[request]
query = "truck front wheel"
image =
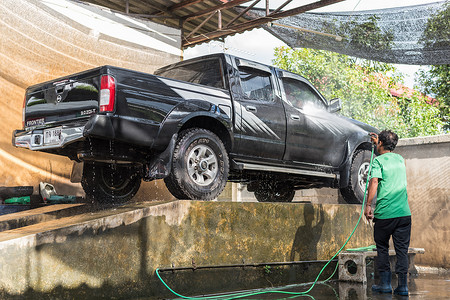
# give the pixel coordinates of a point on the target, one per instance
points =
(200, 166)
(354, 193)
(110, 182)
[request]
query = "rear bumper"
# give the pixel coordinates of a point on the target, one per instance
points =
(107, 127)
(96, 126)
(34, 139)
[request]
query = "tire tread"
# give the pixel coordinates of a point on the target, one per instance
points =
(348, 192)
(174, 182)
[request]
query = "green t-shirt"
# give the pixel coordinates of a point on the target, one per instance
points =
(392, 199)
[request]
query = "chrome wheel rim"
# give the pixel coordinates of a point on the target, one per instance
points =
(363, 172)
(202, 165)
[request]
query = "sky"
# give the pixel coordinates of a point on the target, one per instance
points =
(258, 44)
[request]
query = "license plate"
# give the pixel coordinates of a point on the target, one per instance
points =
(52, 136)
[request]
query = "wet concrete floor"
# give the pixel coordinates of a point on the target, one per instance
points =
(425, 286)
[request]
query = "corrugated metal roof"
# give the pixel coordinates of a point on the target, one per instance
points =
(203, 20)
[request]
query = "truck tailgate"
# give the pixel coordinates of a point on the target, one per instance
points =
(65, 99)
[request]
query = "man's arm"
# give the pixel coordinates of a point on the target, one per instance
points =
(372, 190)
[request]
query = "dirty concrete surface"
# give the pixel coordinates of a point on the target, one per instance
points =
(74, 251)
(425, 286)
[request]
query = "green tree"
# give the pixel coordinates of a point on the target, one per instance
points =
(367, 35)
(436, 82)
(437, 30)
(364, 88)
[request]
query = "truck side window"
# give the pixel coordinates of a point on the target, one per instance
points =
(256, 84)
(300, 94)
(207, 72)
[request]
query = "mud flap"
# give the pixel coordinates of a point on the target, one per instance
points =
(344, 170)
(344, 177)
(160, 166)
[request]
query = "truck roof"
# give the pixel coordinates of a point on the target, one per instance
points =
(216, 55)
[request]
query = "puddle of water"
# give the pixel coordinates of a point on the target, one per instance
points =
(432, 287)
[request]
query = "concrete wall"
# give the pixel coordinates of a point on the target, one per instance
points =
(428, 174)
(116, 252)
(43, 40)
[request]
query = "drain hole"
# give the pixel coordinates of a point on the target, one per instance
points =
(351, 267)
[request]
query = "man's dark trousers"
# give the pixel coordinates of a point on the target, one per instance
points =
(400, 229)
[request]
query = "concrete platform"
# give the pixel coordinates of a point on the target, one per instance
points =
(114, 252)
(38, 215)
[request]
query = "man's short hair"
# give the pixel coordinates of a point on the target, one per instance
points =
(389, 139)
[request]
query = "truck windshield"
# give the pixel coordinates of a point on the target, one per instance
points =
(207, 72)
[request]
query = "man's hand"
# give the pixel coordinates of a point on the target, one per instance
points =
(374, 137)
(368, 212)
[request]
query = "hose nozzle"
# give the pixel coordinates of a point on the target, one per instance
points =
(373, 137)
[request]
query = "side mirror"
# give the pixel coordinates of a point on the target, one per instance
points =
(334, 105)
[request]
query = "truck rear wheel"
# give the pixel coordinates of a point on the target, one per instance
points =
(354, 192)
(110, 182)
(199, 167)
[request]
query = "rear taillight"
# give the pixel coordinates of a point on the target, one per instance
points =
(107, 93)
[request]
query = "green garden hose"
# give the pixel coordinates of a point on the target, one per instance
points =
(305, 293)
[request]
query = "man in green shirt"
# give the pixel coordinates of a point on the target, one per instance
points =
(392, 216)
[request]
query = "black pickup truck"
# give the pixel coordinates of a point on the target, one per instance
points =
(198, 124)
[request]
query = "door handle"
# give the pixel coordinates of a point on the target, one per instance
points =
(251, 108)
(295, 117)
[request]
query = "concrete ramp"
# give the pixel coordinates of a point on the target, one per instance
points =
(115, 252)
(39, 215)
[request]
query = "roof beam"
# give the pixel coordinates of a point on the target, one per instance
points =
(302, 9)
(229, 4)
(243, 12)
(257, 22)
(201, 25)
(183, 4)
(160, 16)
(281, 6)
(157, 6)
